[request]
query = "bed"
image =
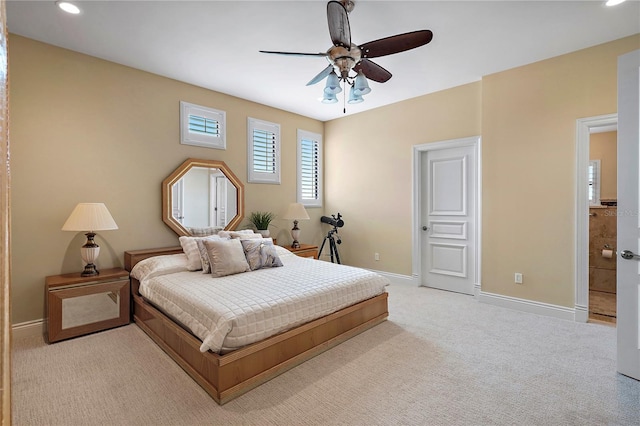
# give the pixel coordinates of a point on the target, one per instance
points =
(227, 352)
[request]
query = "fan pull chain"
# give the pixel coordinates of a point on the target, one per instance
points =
(344, 97)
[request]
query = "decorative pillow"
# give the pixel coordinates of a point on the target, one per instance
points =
(204, 232)
(260, 253)
(160, 265)
(244, 233)
(204, 257)
(226, 257)
(190, 248)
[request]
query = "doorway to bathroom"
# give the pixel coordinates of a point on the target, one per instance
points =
(596, 219)
(603, 214)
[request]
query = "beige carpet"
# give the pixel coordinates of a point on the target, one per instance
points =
(441, 359)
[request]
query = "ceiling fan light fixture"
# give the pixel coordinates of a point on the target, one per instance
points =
(333, 84)
(329, 98)
(346, 58)
(361, 86)
(353, 97)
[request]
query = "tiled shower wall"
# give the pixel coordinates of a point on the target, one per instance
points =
(602, 231)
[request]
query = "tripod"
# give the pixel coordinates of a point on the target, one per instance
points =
(333, 249)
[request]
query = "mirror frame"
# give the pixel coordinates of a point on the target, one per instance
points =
(167, 184)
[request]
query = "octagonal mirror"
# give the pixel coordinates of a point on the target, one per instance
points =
(202, 194)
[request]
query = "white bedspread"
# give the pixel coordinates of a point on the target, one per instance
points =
(233, 311)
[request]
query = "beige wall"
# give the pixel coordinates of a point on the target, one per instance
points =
(604, 147)
(527, 119)
(529, 147)
(368, 170)
(87, 130)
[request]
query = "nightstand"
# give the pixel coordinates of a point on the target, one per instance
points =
(305, 250)
(79, 305)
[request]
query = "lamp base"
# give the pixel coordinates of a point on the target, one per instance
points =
(295, 234)
(89, 253)
(89, 270)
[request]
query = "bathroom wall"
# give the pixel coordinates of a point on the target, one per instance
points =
(602, 231)
(602, 221)
(604, 147)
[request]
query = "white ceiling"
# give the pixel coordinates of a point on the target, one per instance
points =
(214, 44)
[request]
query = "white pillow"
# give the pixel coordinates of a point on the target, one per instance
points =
(190, 248)
(226, 257)
(204, 257)
(204, 232)
(237, 234)
(160, 265)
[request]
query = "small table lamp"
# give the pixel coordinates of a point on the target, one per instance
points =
(90, 217)
(296, 212)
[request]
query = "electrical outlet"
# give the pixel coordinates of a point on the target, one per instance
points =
(518, 278)
(376, 256)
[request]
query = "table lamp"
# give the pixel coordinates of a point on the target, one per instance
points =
(296, 212)
(90, 217)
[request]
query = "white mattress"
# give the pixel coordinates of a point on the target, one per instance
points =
(230, 312)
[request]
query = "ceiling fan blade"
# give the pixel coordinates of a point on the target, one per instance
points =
(372, 71)
(338, 24)
(395, 44)
(293, 53)
(323, 74)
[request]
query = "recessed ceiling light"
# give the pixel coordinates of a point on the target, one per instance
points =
(68, 7)
(613, 2)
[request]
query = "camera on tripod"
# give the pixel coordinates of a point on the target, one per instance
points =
(332, 236)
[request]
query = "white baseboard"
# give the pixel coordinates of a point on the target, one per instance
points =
(582, 313)
(579, 314)
(530, 306)
(398, 278)
(28, 329)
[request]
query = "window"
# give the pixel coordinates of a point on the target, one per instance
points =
(202, 126)
(593, 178)
(309, 169)
(263, 152)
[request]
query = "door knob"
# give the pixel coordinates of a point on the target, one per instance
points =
(628, 254)
(425, 228)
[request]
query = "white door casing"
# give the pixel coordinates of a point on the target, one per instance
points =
(584, 128)
(628, 269)
(447, 211)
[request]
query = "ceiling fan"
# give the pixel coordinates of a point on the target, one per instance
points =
(345, 57)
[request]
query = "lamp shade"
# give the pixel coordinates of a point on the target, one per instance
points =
(333, 84)
(90, 217)
(296, 211)
(361, 86)
(329, 99)
(353, 98)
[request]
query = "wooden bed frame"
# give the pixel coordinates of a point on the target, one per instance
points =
(228, 376)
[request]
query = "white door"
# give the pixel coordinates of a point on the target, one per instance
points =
(628, 266)
(221, 200)
(449, 203)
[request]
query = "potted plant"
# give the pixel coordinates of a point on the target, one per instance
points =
(261, 220)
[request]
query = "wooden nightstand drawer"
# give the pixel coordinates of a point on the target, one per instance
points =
(305, 250)
(81, 305)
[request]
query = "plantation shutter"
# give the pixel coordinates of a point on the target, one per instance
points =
(309, 170)
(204, 126)
(263, 148)
(264, 151)
(593, 179)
